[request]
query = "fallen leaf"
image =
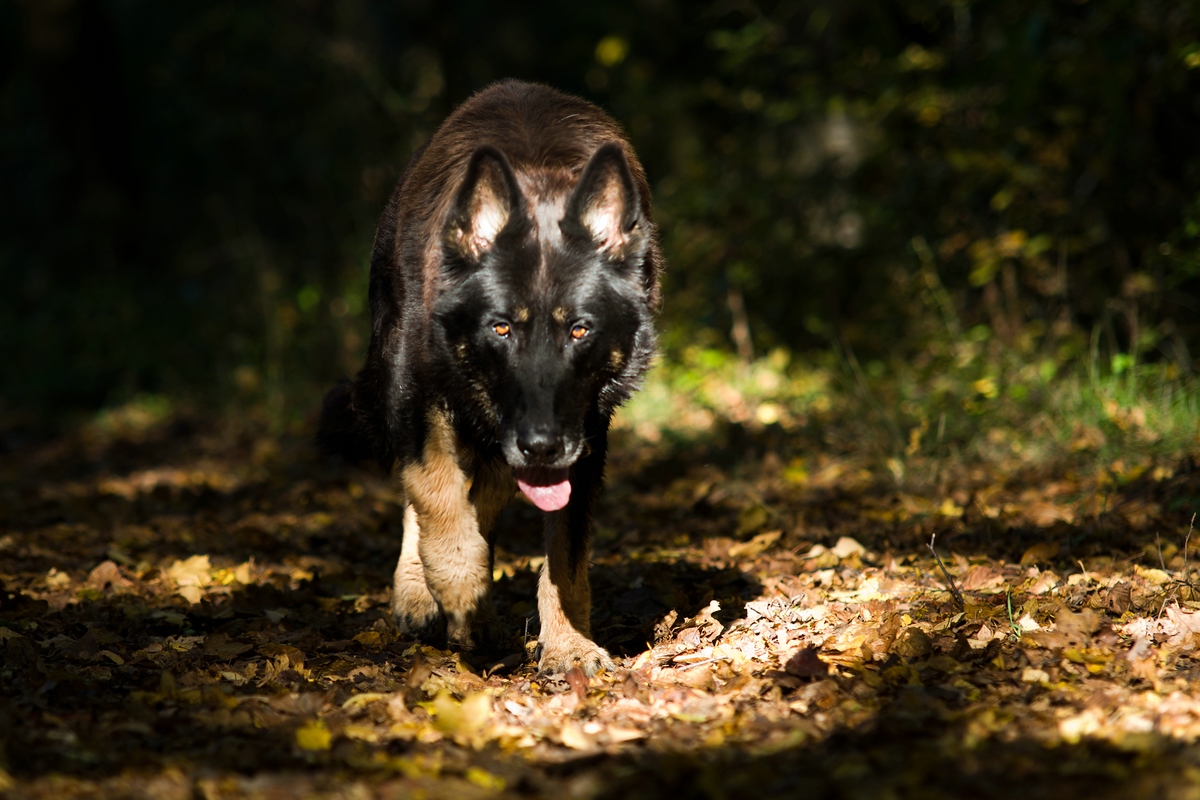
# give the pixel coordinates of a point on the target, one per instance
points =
(982, 576)
(1119, 598)
(107, 573)
(1077, 627)
(465, 720)
(219, 645)
(313, 735)
(1041, 553)
(912, 643)
(194, 571)
(805, 663)
(756, 546)
(1033, 675)
(847, 547)
(1044, 582)
(484, 779)
(1155, 576)
(1044, 514)
(1187, 624)
(578, 682)
(574, 737)
(618, 735)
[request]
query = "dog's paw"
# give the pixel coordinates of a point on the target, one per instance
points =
(574, 651)
(414, 609)
(483, 632)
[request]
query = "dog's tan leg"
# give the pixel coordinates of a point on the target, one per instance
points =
(565, 605)
(455, 555)
(413, 606)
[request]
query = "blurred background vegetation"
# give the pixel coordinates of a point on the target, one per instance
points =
(926, 211)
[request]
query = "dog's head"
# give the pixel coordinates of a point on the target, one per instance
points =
(545, 309)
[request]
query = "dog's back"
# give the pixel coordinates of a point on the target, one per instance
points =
(548, 137)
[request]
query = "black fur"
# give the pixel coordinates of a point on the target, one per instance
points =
(576, 247)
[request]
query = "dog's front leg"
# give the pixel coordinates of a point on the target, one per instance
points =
(454, 553)
(413, 607)
(564, 595)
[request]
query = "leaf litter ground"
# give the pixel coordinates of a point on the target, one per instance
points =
(201, 611)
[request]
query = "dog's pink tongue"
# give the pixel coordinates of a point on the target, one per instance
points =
(549, 489)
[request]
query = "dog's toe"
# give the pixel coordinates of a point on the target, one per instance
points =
(575, 652)
(415, 614)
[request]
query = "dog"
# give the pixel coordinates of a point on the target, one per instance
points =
(513, 287)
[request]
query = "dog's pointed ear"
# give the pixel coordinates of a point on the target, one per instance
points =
(488, 203)
(606, 207)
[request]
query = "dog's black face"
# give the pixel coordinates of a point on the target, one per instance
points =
(544, 312)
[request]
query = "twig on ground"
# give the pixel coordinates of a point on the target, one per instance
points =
(958, 598)
(1187, 539)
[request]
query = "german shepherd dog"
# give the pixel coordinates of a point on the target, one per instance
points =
(514, 280)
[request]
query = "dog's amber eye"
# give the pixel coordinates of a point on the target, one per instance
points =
(502, 329)
(578, 332)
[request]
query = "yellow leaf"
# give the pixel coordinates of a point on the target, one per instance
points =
(111, 656)
(1155, 576)
(360, 700)
(314, 736)
(484, 779)
(950, 509)
(574, 737)
(464, 721)
(369, 639)
(361, 733)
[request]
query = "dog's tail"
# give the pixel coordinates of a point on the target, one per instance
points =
(346, 429)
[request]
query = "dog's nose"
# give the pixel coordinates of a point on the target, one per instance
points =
(540, 444)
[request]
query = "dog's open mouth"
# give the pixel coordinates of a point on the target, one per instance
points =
(549, 489)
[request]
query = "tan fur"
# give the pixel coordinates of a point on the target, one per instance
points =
(603, 219)
(565, 608)
(521, 314)
(547, 139)
(446, 560)
(559, 314)
(454, 506)
(412, 605)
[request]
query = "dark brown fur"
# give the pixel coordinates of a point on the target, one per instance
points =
(527, 206)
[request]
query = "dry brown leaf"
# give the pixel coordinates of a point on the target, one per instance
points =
(219, 645)
(806, 663)
(1187, 624)
(1041, 553)
(1044, 582)
(1043, 514)
(756, 546)
(982, 576)
(912, 643)
(107, 573)
(578, 682)
(1077, 627)
(1119, 598)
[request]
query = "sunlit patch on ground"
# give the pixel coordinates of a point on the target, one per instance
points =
(201, 610)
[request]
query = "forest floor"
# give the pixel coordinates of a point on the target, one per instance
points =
(191, 609)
